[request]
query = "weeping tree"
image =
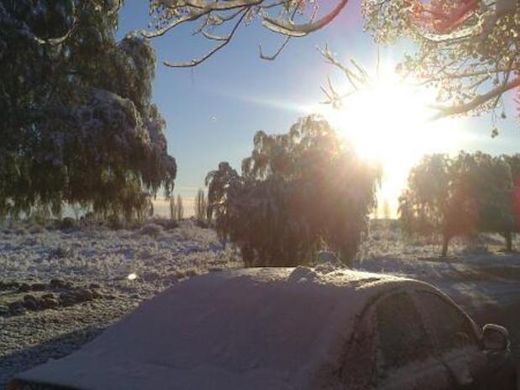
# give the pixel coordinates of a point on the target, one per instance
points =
(298, 192)
(222, 183)
(462, 196)
(488, 179)
(78, 124)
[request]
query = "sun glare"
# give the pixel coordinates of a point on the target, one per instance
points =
(390, 123)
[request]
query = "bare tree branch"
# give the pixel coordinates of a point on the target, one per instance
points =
(225, 41)
(273, 56)
(476, 102)
(287, 28)
(352, 77)
(169, 14)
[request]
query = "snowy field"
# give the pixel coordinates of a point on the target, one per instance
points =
(59, 289)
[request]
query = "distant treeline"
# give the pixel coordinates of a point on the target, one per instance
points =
(462, 196)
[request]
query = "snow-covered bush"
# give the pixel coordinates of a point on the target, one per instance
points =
(152, 230)
(297, 192)
(36, 229)
(68, 223)
(167, 224)
(61, 252)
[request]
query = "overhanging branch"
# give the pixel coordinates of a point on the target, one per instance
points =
(445, 111)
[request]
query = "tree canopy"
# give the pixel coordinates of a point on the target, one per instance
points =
(78, 124)
(466, 48)
(298, 192)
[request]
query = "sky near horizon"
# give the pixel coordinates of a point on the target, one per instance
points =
(213, 110)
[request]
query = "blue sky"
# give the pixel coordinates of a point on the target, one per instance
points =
(213, 110)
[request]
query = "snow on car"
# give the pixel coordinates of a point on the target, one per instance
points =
(289, 328)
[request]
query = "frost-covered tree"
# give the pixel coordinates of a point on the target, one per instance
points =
(298, 192)
(462, 196)
(219, 183)
(467, 48)
(487, 181)
(426, 207)
(78, 124)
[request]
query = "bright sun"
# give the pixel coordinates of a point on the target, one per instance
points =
(390, 122)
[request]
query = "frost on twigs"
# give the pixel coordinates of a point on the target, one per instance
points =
(218, 21)
(465, 48)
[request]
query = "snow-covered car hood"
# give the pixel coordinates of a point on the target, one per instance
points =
(268, 328)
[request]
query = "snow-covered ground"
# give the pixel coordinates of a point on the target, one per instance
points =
(91, 278)
(59, 289)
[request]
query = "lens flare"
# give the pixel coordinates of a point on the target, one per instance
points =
(390, 122)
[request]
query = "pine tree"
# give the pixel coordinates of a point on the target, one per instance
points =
(172, 207)
(200, 206)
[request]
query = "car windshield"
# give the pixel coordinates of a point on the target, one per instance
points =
(451, 328)
(402, 336)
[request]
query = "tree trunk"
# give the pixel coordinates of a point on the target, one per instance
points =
(509, 241)
(445, 242)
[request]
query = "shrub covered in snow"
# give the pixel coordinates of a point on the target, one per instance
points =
(152, 230)
(167, 224)
(36, 229)
(460, 196)
(68, 223)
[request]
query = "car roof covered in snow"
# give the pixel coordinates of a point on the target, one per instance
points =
(268, 328)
